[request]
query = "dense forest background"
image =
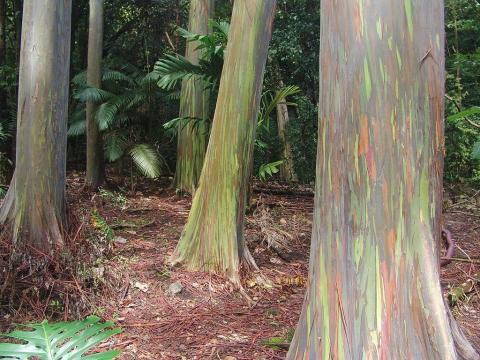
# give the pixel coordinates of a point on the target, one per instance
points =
(140, 32)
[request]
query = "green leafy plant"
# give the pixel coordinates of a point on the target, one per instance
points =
(60, 341)
(267, 170)
(101, 225)
(172, 69)
(123, 113)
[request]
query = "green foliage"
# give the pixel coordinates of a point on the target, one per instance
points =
(60, 341)
(121, 114)
(173, 69)
(463, 91)
(101, 225)
(146, 159)
(268, 170)
(117, 199)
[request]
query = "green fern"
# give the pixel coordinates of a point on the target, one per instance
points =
(147, 160)
(60, 341)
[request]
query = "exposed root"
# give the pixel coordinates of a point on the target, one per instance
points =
(465, 350)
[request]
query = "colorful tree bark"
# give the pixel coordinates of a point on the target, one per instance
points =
(95, 159)
(34, 207)
(213, 236)
(374, 289)
(194, 104)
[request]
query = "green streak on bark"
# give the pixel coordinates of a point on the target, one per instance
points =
(194, 103)
(213, 236)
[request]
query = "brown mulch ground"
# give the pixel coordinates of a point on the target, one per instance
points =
(209, 319)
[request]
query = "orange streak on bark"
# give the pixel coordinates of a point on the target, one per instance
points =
(364, 137)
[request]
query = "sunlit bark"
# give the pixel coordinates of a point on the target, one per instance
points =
(213, 236)
(374, 290)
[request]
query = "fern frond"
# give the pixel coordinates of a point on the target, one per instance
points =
(146, 159)
(60, 341)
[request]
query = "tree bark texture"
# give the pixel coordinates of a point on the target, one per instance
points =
(213, 236)
(35, 204)
(374, 290)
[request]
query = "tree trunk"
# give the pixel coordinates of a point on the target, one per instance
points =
(213, 236)
(374, 289)
(287, 170)
(35, 204)
(194, 103)
(18, 10)
(95, 160)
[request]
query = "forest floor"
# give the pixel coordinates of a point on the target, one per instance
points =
(169, 313)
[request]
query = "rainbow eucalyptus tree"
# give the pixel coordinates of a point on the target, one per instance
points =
(213, 236)
(95, 162)
(34, 208)
(194, 104)
(374, 289)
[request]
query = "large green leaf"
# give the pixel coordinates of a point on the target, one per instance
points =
(146, 159)
(462, 114)
(60, 341)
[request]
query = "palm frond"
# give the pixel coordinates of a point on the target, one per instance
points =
(269, 169)
(173, 69)
(93, 94)
(80, 79)
(270, 103)
(147, 160)
(115, 144)
(114, 75)
(77, 128)
(60, 341)
(110, 111)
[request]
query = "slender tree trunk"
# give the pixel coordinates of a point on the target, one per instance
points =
(95, 161)
(18, 10)
(194, 103)
(287, 170)
(374, 289)
(213, 236)
(35, 204)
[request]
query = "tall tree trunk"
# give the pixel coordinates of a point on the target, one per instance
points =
(194, 103)
(95, 160)
(35, 204)
(213, 236)
(374, 289)
(287, 170)
(18, 10)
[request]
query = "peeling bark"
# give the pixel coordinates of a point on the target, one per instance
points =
(34, 208)
(213, 237)
(194, 103)
(374, 290)
(95, 160)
